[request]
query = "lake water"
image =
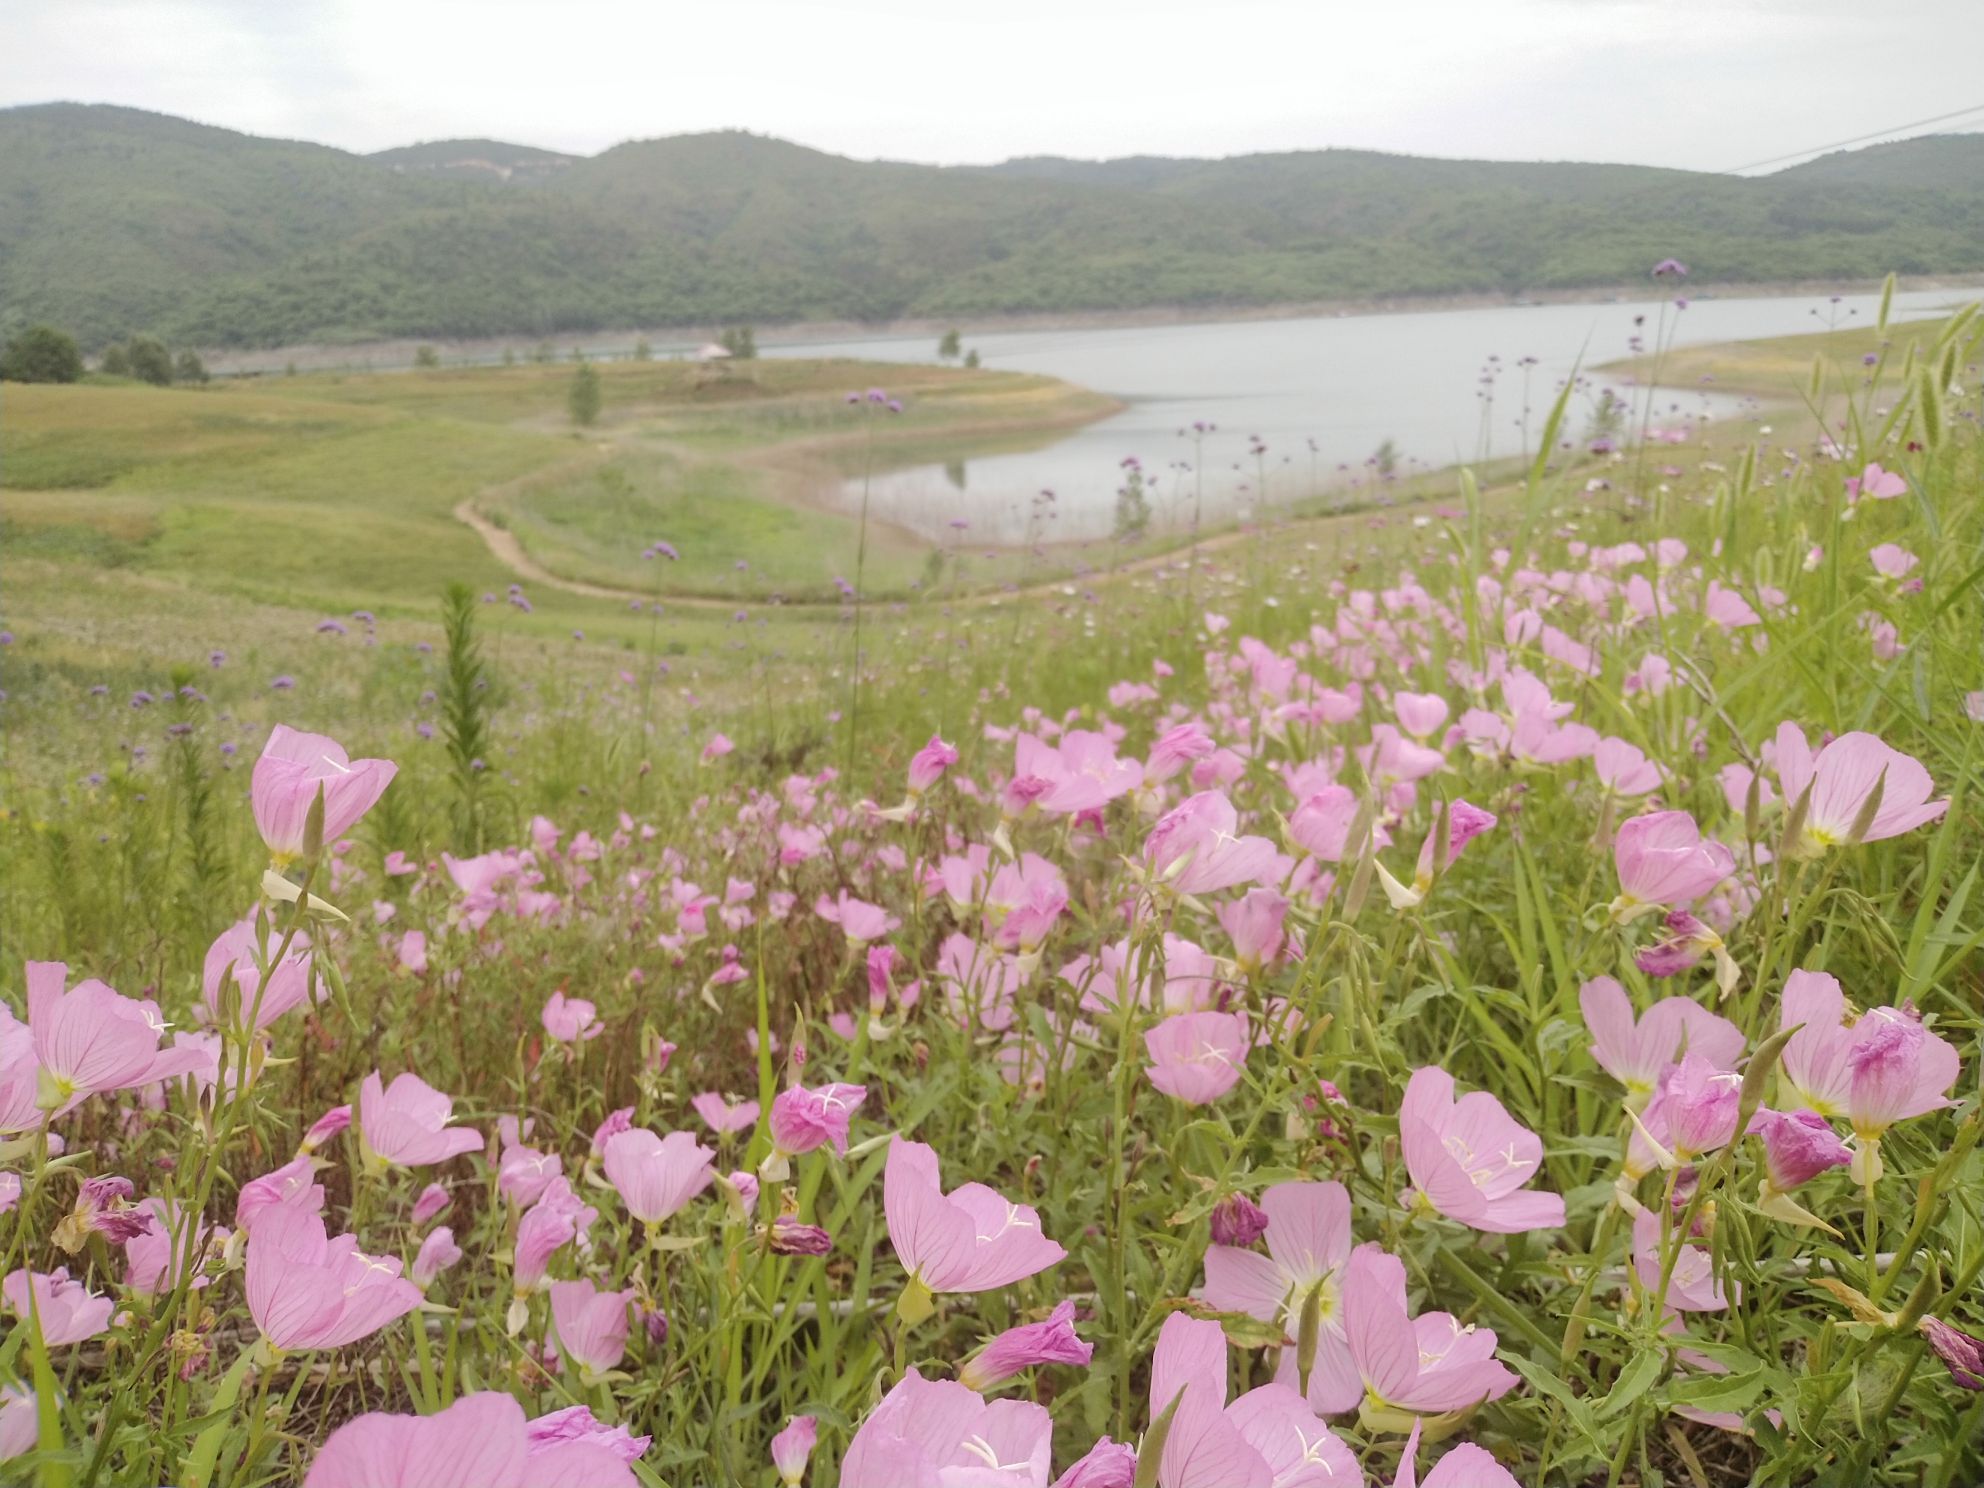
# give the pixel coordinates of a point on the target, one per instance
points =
(1322, 394)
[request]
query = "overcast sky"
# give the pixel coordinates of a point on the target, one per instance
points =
(1706, 84)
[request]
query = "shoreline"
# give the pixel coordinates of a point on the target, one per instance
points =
(668, 341)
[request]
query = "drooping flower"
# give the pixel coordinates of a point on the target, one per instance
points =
(1238, 1221)
(1664, 861)
(433, 1199)
(1798, 1146)
(1050, 1341)
(656, 1176)
(592, 1326)
(1855, 776)
(1960, 1351)
(405, 1124)
(1636, 1052)
(437, 1253)
(1425, 1365)
(293, 767)
(1468, 1158)
(481, 1441)
(971, 1240)
(1197, 1057)
(1464, 822)
(1297, 1284)
(308, 1291)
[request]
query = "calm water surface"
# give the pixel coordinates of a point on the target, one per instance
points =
(1321, 393)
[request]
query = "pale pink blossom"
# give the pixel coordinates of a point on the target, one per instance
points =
(657, 1176)
(405, 1124)
(721, 1117)
(1426, 1365)
(793, 1445)
(1050, 1341)
(939, 1434)
(90, 1040)
(1635, 1053)
(1664, 861)
(481, 1441)
(1195, 847)
(67, 1310)
(1469, 1159)
(1842, 778)
(571, 1020)
(803, 1118)
(307, 1291)
(1198, 1057)
(971, 1240)
(591, 1326)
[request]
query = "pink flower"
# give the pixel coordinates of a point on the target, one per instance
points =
(1886, 1067)
(1424, 1365)
(481, 1441)
(1237, 1221)
(405, 1124)
(1798, 1146)
(1107, 1464)
(1692, 1286)
(90, 1039)
(592, 1326)
(1469, 1158)
(437, 1253)
(68, 1311)
(1197, 1057)
(1892, 561)
(722, 1118)
(1194, 848)
(926, 768)
(657, 1176)
(20, 1430)
(938, 1434)
(1843, 778)
(307, 1291)
(1268, 1436)
(804, 1119)
(793, 1445)
(547, 1227)
(1663, 861)
(325, 1127)
(152, 1259)
(413, 951)
(1254, 921)
(1052, 1341)
(859, 920)
(293, 768)
(971, 1240)
(1875, 484)
(571, 1020)
(718, 746)
(525, 1173)
(1464, 1466)
(1023, 901)
(1635, 1054)
(1420, 714)
(1308, 1234)
(1623, 770)
(1697, 1105)
(294, 1184)
(229, 979)
(433, 1199)
(1321, 824)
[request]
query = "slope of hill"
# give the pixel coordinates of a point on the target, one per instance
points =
(114, 221)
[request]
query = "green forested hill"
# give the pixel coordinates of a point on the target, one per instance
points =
(115, 221)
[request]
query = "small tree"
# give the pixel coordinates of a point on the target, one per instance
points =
(642, 351)
(583, 399)
(509, 356)
(1385, 461)
(289, 369)
(150, 361)
(187, 367)
(971, 357)
(1132, 504)
(542, 353)
(426, 356)
(41, 354)
(115, 361)
(948, 348)
(741, 342)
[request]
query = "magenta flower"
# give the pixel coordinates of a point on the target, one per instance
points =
(90, 1040)
(293, 768)
(1425, 1365)
(1195, 847)
(721, 1117)
(591, 1326)
(1636, 1053)
(1268, 1436)
(1308, 1234)
(571, 1020)
(307, 1291)
(792, 1447)
(971, 1240)
(803, 1119)
(1663, 861)
(1197, 1057)
(1469, 1158)
(68, 1311)
(657, 1176)
(1052, 1341)
(229, 979)
(405, 1124)
(937, 1433)
(1959, 1351)
(1798, 1146)
(437, 1253)
(1843, 778)
(481, 1441)
(1237, 1221)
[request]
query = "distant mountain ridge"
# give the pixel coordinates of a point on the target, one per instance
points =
(115, 221)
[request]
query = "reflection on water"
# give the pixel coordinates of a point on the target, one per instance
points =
(1321, 394)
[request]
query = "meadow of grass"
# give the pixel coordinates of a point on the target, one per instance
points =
(1151, 948)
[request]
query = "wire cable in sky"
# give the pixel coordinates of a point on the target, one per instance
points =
(1859, 139)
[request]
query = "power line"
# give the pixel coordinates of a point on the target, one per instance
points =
(1861, 139)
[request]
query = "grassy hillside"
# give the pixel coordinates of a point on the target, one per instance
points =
(115, 221)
